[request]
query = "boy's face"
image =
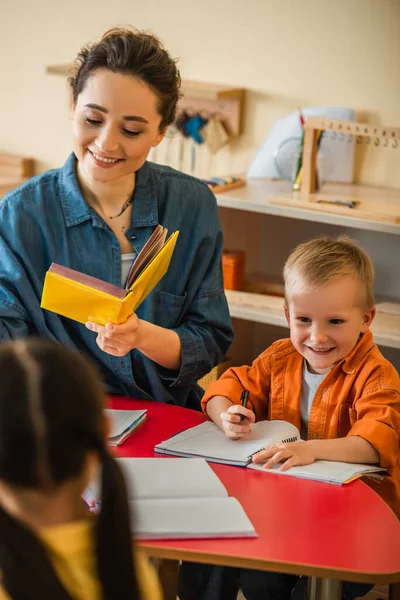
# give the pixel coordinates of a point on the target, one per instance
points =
(326, 321)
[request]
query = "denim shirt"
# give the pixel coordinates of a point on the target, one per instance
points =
(47, 220)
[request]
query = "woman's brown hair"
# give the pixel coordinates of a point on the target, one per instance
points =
(137, 54)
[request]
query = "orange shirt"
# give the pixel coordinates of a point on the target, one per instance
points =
(359, 396)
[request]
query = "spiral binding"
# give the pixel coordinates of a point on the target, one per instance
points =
(294, 438)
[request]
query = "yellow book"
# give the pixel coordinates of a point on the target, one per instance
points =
(78, 296)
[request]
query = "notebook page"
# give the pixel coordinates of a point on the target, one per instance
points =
(209, 441)
(190, 518)
(170, 478)
(121, 420)
(323, 470)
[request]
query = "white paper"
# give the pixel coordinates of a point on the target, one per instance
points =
(190, 518)
(322, 470)
(159, 478)
(209, 441)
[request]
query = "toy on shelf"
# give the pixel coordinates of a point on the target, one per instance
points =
(233, 267)
(363, 202)
(223, 184)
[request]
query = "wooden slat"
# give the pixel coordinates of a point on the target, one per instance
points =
(15, 167)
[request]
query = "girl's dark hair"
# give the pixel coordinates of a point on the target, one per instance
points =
(51, 401)
(135, 53)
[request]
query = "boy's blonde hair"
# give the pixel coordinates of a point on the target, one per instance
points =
(324, 259)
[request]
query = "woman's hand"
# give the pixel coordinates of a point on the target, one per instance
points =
(232, 423)
(292, 454)
(117, 340)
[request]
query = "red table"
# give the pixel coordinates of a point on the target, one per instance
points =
(304, 527)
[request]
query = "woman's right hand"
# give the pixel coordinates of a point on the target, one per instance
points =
(233, 425)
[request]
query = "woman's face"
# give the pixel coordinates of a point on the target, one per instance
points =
(115, 123)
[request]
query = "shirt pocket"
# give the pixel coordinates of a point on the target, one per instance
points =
(347, 418)
(168, 309)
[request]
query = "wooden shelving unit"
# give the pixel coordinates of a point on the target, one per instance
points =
(262, 308)
(258, 197)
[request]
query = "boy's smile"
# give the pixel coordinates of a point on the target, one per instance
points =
(326, 321)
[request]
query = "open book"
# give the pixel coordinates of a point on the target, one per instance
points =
(77, 295)
(209, 441)
(123, 423)
(177, 498)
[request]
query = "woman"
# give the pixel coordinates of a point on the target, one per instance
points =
(96, 213)
(52, 439)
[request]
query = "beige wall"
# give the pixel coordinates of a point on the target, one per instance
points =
(286, 53)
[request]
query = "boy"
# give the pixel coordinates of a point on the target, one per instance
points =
(329, 380)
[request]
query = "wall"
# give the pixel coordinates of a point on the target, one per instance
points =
(285, 52)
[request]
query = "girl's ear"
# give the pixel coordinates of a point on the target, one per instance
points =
(367, 319)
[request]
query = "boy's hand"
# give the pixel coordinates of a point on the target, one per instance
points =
(233, 425)
(292, 454)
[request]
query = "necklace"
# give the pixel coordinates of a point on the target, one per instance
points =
(125, 205)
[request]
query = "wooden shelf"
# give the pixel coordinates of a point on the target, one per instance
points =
(258, 193)
(59, 69)
(210, 91)
(212, 98)
(261, 308)
(196, 89)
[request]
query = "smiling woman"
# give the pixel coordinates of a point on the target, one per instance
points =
(96, 213)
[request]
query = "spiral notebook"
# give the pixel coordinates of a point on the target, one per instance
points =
(123, 423)
(209, 441)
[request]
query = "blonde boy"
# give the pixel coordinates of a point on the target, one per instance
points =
(329, 379)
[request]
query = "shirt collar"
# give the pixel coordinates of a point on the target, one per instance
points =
(363, 346)
(76, 209)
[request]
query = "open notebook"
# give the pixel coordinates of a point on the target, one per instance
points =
(208, 441)
(79, 296)
(123, 423)
(178, 498)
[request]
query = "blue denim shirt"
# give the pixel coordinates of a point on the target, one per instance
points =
(47, 220)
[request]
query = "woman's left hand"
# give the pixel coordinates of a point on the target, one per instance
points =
(117, 340)
(292, 454)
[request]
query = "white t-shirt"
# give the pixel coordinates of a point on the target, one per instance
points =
(126, 263)
(309, 385)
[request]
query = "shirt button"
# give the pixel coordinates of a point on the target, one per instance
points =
(133, 237)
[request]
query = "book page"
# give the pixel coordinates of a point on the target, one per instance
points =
(147, 253)
(190, 518)
(170, 478)
(209, 441)
(323, 470)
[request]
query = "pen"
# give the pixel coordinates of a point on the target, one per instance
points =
(243, 400)
(349, 204)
